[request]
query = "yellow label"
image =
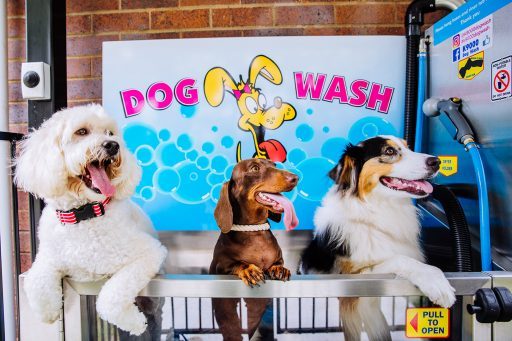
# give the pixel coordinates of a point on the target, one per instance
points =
(471, 66)
(428, 322)
(449, 165)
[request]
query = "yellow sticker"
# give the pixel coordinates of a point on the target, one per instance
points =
(471, 66)
(427, 322)
(449, 164)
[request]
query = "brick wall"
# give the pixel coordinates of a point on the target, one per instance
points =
(90, 22)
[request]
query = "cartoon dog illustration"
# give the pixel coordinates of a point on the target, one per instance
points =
(256, 114)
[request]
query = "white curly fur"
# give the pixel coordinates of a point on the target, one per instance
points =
(120, 245)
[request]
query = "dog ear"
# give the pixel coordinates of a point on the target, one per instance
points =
(216, 81)
(265, 67)
(223, 211)
(346, 172)
(274, 216)
(40, 167)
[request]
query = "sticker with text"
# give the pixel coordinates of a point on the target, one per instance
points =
(449, 165)
(476, 38)
(470, 67)
(501, 70)
(427, 323)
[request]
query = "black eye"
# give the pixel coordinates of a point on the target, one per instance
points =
(390, 151)
(254, 168)
(82, 132)
(109, 133)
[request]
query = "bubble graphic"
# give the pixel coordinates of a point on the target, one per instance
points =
(215, 193)
(166, 180)
(333, 148)
(291, 195)
(188, 111)
(164, 135)
(229, 171)
(295, 156)
(326, 129)
(214, 129)
(147, 177)
(192, 155)
(145, 155)
(309, 111)
(219, 164)
(208, 147)
(193, 187)
(227, 142)
(304, 133)
(214, 179)
(368, 127)
(147, 193)
(168, 154)
(315, 184)
(202, 162)
(137, 134)
(184, 142)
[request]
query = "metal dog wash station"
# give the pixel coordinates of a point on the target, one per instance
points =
(190, 109)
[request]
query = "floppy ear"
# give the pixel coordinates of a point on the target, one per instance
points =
(216, 81)
(265, 67)
(274, 216)
(346, 172)
(223, 211)
(40, 167)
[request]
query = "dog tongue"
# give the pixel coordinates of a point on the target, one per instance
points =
(403, 184)
(290, 218)
(101, 181)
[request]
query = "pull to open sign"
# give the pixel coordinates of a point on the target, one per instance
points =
(428, 323)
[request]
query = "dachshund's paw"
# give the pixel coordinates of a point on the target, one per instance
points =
(251, 275)
(278, 272)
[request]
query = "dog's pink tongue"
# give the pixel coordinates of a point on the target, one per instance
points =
(290, 218)
(101, 181)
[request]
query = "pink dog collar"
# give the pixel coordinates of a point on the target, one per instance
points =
(85, 212)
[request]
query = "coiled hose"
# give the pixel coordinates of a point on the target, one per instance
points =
(411, 88)
(459, 231)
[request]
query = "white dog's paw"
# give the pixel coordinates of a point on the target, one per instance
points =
(132, 321)
(436, 287)
(49, 316)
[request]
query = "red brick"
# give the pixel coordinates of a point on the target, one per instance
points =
(18, 128)
(24, 241)
(74, 103)
(24, 219)
(304, 15)
(16, 49)
(22, 200)
(131, 21)
(353, 14)
(74, 6)
(78, 24)
(146, 36)
(84, 89)
(18, 112)
(15, 7)
(354, 30)
(15, 92)
(133, 4)
(179, 19)
(26, 261)
(16, 28)
(208, 2)
(77, 68)
(212, 34)
(262, 32)
(87, 45)
(431, 18)
(236, 17)
(14, 69)
(96, 67)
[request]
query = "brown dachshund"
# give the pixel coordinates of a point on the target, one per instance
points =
(246, 248)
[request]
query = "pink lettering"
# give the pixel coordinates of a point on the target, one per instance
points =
(382, 98)
(359, 96)
(165, 90)
(337, 89)
(133, 102)
(185, 93)
(310, 85)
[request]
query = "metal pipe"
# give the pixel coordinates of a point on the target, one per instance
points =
(451, 5)
(5, 191)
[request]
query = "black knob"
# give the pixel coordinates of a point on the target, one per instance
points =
(486, 306)
(31, 79)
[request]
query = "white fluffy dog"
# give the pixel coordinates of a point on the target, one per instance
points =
(77, 162)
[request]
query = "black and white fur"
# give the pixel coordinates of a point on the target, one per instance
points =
(364, 226)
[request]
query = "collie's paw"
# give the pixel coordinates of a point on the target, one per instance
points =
(278, 272)
(437, 288)
(250, 275)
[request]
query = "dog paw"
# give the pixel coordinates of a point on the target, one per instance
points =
(437, 288)
(130, 320)
(278, 272)
(49, 316)
(251, 275)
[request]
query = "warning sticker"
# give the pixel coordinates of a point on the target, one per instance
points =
(471, 66)
(500, 79)
(476, 38)
(449, 165)
(427, 322)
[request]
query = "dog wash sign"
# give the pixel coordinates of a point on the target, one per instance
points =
(190, 109)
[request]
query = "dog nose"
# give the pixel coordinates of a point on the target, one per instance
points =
(112, 147)
(292, 178)
(433, 163)
(278, 102)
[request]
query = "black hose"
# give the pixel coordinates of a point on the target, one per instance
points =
(459, 231)
(411, 88)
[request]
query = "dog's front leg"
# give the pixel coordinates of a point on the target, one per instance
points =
(429, 279)
(250, 274)
(116, 300)
(43, 287)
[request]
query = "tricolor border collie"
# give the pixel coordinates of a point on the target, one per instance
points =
(367, 223)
